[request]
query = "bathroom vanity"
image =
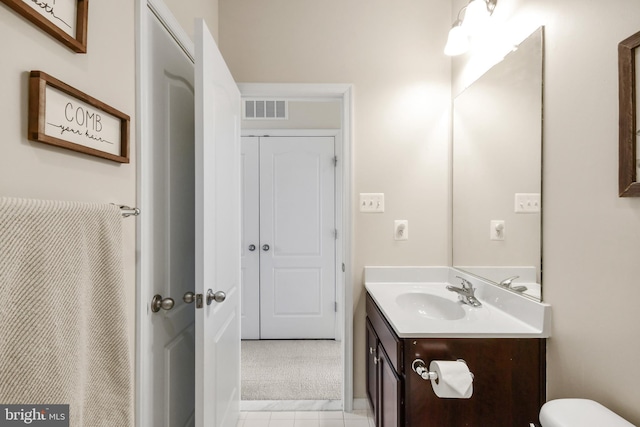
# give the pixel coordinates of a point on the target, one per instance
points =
(506, 354)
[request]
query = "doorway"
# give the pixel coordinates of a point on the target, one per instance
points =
(320, 93)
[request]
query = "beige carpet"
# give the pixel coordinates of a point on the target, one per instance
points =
(291, 370)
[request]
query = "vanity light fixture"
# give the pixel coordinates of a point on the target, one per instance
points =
(476, 13)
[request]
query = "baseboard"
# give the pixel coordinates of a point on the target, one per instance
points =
(290, 405)
(360, 404)
(301, 405)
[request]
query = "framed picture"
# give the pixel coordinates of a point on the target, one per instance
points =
(629, 110)
(65, 20)
(63, 116)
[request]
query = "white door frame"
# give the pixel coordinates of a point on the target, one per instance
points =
(143, 172)
(323, 92)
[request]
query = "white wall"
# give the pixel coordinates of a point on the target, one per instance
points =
(392, 53)
(590, 251)
(36, 170)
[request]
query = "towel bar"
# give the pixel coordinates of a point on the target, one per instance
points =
(128, 211)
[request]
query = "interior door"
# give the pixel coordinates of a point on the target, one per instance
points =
(250, 252)
(168, 226)
(217, 226)
(297, 237)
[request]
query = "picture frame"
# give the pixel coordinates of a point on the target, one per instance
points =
(629, 105)
(63, 116)
(65, 20)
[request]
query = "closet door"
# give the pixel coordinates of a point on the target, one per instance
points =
(250, 252)
(297, 237)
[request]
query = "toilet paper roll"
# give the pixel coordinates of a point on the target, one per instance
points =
(455, 381)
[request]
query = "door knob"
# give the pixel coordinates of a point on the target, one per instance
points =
(252, 248)
(215, 296)
(265, 248)
(189, 297)
(158, 303)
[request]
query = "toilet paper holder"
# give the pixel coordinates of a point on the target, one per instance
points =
(420, 368)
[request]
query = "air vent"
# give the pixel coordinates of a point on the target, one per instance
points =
(261, 109)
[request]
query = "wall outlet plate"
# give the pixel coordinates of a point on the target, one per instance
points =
(401, 229)
(496, 229)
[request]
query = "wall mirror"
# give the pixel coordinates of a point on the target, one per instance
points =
(629, 82)
(497, 171)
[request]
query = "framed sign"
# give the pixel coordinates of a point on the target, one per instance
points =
(629, 110)
(63, 116)
(65, 20)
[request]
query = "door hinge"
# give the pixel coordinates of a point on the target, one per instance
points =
(343, 267)
(335, 306)
(335, 160)
(335, 233)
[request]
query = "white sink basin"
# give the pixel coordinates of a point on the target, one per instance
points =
(430, 306)
(425, 310)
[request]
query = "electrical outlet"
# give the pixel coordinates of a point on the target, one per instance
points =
(497, 230)
(372, 202)
(401, 229)
(527, 203)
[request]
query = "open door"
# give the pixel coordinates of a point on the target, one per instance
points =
(217, 227)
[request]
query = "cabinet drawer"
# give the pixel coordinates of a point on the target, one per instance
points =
(392, 345)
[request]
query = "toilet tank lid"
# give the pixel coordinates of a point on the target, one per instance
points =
(579, 413)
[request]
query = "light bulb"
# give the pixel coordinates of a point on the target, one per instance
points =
(457, 42)
(475, 16)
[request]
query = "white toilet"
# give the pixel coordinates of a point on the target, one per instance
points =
(579, 413)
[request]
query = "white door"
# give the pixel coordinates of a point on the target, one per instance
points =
(250, 168)
(168, 389)
(297, 237)
(217, 226)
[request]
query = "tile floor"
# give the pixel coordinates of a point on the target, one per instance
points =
(357, 418)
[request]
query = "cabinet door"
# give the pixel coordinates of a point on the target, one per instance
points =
(372, 370)
(389, 393)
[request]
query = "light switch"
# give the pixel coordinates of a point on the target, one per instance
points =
(372, 202)
(527, 203)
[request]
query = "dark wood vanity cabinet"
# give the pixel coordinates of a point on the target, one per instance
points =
(384, 386)
(508, 385)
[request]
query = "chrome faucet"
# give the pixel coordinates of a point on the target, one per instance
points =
(508, 283)
(466, 293)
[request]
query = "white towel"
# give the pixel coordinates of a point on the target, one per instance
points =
(63, 328)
